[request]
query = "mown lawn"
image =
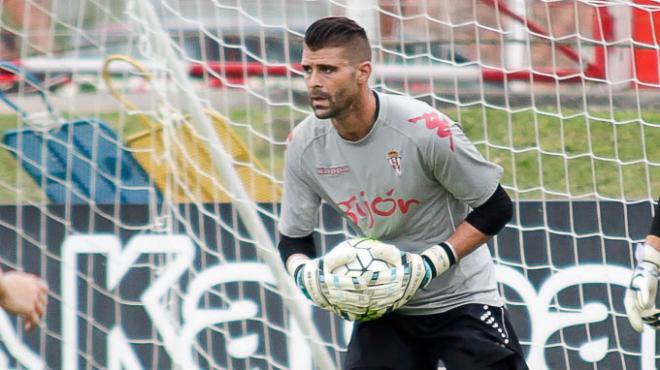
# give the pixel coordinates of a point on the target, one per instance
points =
(544, 155)
(573, 154)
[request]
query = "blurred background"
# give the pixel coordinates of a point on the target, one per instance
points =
(142, 152)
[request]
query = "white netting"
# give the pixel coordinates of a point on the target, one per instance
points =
(120, 197)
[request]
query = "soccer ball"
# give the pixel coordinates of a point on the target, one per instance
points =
(364, 261)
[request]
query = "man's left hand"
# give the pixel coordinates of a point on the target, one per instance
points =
(412, 272)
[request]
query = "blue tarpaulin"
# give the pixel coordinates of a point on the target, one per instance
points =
(79, 162)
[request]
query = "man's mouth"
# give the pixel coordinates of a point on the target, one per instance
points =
(319, 101)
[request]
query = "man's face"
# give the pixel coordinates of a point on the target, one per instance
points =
(331, 81)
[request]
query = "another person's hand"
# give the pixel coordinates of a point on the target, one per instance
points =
(24, 295)
(641, 293)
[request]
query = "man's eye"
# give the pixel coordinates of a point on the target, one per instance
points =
(307, 70)
(328, 70)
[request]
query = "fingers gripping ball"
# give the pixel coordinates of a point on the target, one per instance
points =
(365, 260)
(385, 286)
(360, 279)
(391, 291)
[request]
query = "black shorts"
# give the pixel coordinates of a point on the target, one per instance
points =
(470, 337)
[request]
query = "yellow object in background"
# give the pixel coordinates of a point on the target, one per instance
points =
(186, 173)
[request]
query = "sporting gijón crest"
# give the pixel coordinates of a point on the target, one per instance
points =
(394, 159)
(436, 122)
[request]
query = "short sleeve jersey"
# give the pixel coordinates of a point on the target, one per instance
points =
(411, 181)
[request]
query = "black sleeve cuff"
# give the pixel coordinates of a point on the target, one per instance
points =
(492, 216)
(289, 246)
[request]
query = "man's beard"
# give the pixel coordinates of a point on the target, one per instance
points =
(334, 108)
(328, 113)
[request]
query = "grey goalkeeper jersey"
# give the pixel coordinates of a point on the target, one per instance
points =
(411, 181)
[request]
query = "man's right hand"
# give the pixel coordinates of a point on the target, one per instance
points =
(640, 296)
(343, 295)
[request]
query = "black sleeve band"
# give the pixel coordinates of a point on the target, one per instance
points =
(492, 216)
(655, 226)
(289, 246)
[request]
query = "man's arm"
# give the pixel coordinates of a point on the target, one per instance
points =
(298, 218)
(295, 251)
(479, 226)
(458, 167)
(343, 295)
(482, 223)
(297, 254)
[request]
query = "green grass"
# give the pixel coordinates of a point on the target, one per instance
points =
(572, 153)
(551, 155)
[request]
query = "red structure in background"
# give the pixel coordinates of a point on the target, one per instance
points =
(595, 70)
(7, 78)
(646, 35)
(645, 31)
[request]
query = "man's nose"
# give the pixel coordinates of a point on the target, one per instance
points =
(313, 79)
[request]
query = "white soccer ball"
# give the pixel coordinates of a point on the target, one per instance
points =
(364, 261)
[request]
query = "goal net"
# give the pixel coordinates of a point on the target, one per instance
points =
(142, 156)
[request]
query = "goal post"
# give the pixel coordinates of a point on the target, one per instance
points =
(222, 162)
(153, 216)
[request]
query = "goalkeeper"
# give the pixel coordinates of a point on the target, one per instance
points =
(402, 172)
(640, 296)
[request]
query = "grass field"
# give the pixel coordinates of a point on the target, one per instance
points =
(544, 155)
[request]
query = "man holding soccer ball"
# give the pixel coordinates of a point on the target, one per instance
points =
(640, 296)
(402, 173)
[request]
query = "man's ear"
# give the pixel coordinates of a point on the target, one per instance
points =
(364, 72)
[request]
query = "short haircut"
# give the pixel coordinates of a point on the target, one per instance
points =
(339, 31)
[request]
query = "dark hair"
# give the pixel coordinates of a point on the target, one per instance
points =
(338, 31)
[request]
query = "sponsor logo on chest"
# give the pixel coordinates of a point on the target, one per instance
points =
(361, 207)
(440, 124)
(332, 171)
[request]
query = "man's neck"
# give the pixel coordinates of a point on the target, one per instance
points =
(357, 123)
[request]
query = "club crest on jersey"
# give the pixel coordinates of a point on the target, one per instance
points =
(394, 159)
